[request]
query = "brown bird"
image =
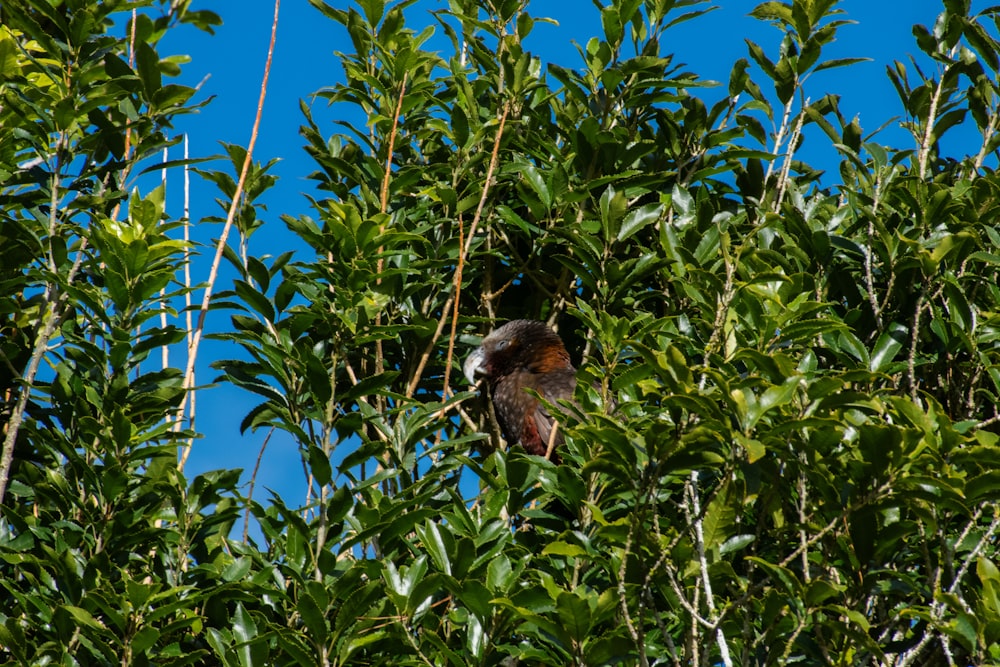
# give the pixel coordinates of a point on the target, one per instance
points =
(520, 355)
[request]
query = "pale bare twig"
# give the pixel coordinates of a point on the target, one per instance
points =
(779, 137)
(695, 519)
(451, 305)
(991, 129)
(869, 251)
(164, 349)
(221, 245)
(630, 625)
(911, 358)
(925, 145)
(253, 484)
(938, 607)
(789, 153)
(188, 320)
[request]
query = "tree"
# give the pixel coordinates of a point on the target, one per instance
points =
(784, 445)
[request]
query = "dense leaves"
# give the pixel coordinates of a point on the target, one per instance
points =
(784, 445)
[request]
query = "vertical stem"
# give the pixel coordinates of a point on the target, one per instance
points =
(779, 138)
(988, 133)
(911, 358)
(699, 535)
(165, 349)
(869, 273)
(221, 245)
(925, 145)
(789, 153)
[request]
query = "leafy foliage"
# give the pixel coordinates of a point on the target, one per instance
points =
(785, 441)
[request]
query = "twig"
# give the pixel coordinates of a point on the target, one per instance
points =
(53, 316)
(990, 421)
(54, 301)
(221, 245)
(384, 208)
(869, 273)
(387, 175)
(253, 484)
(938, 607)
(925, 145)
(188, 320)
(911, 358)
(787, 164)
(988, 133)
(630, 625)
(451, 306)
(164, 349)
(721, 313)
(779, 138)
(696, 521)
(411, 388)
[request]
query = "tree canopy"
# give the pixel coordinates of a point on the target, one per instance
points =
(784, 444)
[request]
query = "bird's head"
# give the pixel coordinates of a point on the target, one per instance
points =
(521, 345)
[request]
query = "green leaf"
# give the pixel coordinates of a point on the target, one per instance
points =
(431, 537)
(575, 614)
(320, 466)
(564, 549)
(638, 219)
(889, 343)
(148, 68)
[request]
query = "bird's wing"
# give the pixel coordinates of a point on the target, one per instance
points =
(535, 440)
(556, 385)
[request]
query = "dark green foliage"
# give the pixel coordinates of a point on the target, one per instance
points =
(785, 443)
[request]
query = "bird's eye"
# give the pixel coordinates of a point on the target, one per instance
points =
(502, 344)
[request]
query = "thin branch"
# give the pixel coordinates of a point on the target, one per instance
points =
(630, 625)
(779, 138)
(489, 178)
(455, 299)
(990, 421)
(54, 301)
(911, 358)
(425, 357)
(164, 349)
(53, 316)
(221, 245)
(803, 504)
(988, 133)
(696, 522)
(925, 145)
(869, 272)
(387, 175)
(253, 485)
(938, 607)
(384, 208)
(789, 153)
(724, 299)
(188, 320)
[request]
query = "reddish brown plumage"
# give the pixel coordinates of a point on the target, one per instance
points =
(520, 355)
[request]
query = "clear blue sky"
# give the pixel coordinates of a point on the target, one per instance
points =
(304, 62)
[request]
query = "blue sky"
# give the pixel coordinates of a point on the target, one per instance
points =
(304, 62)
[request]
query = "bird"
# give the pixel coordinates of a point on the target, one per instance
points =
(520, 355)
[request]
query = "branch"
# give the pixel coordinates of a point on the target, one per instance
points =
(221, 245)
(787, 164)
(623, 601)
(464, 250)
(253, 483)
(925, 145)
(695, 513)
(911, 358)
(54, 301)
(938, 607)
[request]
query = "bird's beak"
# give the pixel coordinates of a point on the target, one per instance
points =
(475, 365)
